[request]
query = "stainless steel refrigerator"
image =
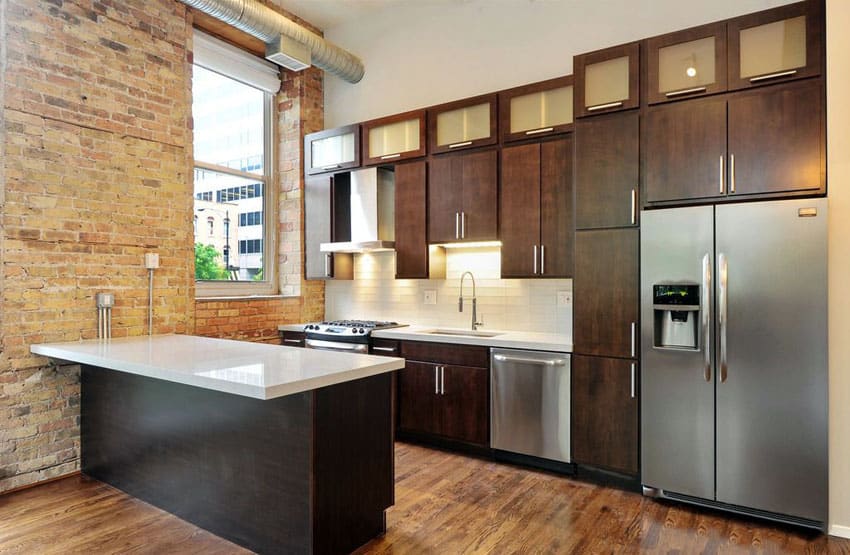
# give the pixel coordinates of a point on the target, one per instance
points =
(734, 357)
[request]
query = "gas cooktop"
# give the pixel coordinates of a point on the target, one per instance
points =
(349, 328)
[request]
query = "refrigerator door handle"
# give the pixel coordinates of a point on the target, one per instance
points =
(723, 317)
(706, 314)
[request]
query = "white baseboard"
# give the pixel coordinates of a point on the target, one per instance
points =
(839, 531)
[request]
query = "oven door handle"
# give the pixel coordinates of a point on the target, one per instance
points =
(335, 346)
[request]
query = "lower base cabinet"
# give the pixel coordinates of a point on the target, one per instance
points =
(443, 397)
(604, 413)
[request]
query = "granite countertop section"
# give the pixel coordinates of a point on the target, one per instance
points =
(507, 339)
(257, 370)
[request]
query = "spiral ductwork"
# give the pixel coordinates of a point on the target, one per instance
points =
(267, 25)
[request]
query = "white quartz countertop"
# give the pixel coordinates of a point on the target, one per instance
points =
(507, 339)
(256, 370)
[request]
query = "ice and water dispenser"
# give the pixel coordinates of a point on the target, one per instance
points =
(676, 309)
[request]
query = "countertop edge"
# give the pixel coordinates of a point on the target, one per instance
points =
(212, 384)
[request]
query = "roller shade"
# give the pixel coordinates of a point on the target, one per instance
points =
(220, 57)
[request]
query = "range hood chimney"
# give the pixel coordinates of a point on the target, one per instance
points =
(372, 212)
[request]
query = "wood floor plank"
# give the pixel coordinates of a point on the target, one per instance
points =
(445, 504)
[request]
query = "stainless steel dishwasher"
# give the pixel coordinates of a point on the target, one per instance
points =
(530, 403)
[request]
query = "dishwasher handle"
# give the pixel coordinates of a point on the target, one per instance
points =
(542, 362)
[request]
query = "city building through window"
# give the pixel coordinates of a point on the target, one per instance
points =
(232, 105)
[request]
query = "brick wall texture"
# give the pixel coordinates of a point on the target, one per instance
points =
(96, 170)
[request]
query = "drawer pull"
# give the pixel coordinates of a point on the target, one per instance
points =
(604, 106)
(673, 94)
(384, 349)
(772, 76)
(541, 130)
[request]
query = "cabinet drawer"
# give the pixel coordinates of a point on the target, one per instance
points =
(292, 338)
(443, 353)
(384, 347)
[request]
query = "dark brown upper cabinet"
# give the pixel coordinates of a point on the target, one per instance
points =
(684, 151)
(332, 149)
(414, 259)
(463, 124)
(462, 197)
(536, 110)
(394, 138)
(607, 171)
(754, 144)
(536, 201)
(775, 45)
(686, 63)
(607, 80)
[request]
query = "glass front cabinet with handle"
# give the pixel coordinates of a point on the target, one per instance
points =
(332, 149)
(390, 139)
(607, 80)
(462, 124)
(537, 110)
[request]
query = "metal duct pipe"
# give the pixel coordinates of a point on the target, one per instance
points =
(267, 25)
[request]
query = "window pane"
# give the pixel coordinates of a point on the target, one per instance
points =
(230, 245)
(228, 122)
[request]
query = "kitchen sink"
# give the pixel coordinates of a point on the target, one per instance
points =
(466, 333)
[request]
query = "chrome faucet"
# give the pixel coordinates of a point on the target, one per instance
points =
(475, 322)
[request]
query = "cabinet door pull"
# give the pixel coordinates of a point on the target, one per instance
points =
(633, 332)
(633, 380)
(541, 130)
(464, 143)
(457, 225)
(634, 206)
(542, 259)
(673, 94)
(384, 349)
(463, 225)
(604, 106)
(292, 341)
(722, 175)
(390, 156)
(731, 173)
(327, 264)
(535, 259)
(772, 76)
(436, 380)
(442, 380)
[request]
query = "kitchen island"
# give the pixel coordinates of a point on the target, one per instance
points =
(278, 449)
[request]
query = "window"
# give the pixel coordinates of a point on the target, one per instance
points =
(250, 218)
(232, 104)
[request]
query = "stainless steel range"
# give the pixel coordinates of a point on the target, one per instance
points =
(344, 335)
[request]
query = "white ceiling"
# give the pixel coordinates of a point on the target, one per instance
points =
(325, 14)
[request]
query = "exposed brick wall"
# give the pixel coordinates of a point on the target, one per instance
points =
(96, 170)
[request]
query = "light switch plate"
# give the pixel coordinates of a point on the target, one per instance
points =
(430, 296)
(563, 298)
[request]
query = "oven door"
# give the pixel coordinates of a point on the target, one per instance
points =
(336, 346)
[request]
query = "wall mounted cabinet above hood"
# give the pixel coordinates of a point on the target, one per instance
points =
(372, 213)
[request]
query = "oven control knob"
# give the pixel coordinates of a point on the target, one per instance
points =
(362, 330)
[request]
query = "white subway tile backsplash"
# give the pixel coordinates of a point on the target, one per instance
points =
(510, 304)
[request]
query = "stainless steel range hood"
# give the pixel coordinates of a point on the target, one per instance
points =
(372, 213)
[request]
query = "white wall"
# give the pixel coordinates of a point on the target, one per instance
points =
(503, 304)
(838, 172)
(423, 53)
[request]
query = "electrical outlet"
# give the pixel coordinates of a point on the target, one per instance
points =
(563, 298)
(430, 296)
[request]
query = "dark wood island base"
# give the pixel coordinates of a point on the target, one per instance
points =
(310, 472)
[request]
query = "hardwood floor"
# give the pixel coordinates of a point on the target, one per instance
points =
(445, 503)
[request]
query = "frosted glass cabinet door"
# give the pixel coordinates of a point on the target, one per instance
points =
(607, 80)
(776, 45)
(539, 109)
(332, 149)
(394, 138)
(462, 124)
(687, 63)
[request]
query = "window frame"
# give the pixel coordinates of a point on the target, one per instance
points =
(269, 284)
